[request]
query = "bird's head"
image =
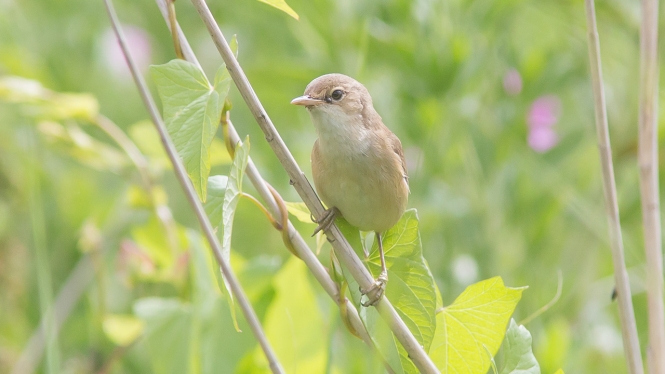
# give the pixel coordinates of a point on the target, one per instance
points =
(336, 95)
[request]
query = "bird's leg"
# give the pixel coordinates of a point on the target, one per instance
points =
(327, 219)
(376, 291)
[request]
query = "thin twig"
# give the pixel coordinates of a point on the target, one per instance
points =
(631, 343)
(193, 199)
(264, 190)
(648, 164)
(346, 254)
(544, 308)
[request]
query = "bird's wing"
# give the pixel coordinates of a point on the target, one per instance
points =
(397, 148)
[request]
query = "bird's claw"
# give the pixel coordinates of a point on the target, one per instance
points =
(376, 291)
(326, 220)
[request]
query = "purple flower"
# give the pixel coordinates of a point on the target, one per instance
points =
(512, 82)
(543, 115)
(112, 56)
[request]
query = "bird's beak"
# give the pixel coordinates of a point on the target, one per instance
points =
(306, 101)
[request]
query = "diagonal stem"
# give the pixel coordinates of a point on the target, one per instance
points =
(309, 197)
(631, 344)
(263, 189)
(193, 199)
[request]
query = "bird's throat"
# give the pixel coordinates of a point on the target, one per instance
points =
(339, 133)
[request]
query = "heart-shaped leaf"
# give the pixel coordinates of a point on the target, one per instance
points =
(192, 110)
(470, 331)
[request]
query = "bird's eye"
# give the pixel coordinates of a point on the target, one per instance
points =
(337, 95)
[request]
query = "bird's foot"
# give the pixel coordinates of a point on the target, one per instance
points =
(326, 220)
(376, 291)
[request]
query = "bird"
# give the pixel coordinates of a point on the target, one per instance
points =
(358, 164)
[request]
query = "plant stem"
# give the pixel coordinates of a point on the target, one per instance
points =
(263, 188)
(193, 199)
(648, 164)
(309, 197)
(631, 344)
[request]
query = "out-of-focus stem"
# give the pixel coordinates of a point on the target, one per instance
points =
(648, 164)
(193, 199)
(631, 344)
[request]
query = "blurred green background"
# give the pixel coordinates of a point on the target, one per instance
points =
(492, 102)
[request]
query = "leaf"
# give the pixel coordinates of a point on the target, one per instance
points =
(300, 211)
(22, 90)
(150, 237)
(233, 44)
(192, 110)
(45, 104)
(232, 194)
(225, 192)
(82, 147)
(205, 272)
(122, 330)
(295, 320)
(519, 358)
(378, 330)
(560, 371)
(216, 191)
(472, 326)
(283, 6)
(410, 286)
(168, 326)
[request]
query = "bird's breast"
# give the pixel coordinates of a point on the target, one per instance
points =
(360, 176)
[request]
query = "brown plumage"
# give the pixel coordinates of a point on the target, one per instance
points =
(357, 162)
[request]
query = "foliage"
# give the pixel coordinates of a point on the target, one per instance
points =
(490, 99)
(192, 110)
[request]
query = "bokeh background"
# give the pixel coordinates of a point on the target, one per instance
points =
(492, 102)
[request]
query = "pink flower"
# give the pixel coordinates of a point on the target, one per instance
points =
(512, 82)
(542, 139)
(543, 115)
(544, 112)
(112, 56)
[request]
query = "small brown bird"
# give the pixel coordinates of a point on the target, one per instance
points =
(357, 162)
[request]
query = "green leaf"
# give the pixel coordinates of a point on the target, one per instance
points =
(283, 6)
(472, 326)
(300, 211)
(192, 109)
(519, 358)
(232, 194)
(150, 237)
(410, 287)
(205, 272)
(295, 320)
(233, 44)
(122, 330)
(168, 325)
(216, 191)
(221, 210)
(82, 147)
(378, 330)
